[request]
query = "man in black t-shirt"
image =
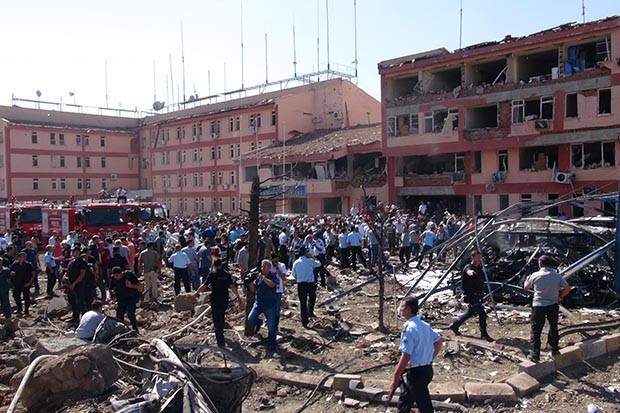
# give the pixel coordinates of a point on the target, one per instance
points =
(220, 282)
(117, 260)
(76, 292)
(127, 289)
(91, 278)
(473, 282)
(22, 277)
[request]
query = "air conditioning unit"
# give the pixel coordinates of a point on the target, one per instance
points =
(317, 119)
(225, 186)
(194, 138)
(113, 177)
(338, 115)
(542, 124)
(234, 186)
(215, 135)
(210, 187)
(563, 177)
(252, 129)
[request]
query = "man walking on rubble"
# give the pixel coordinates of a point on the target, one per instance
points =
(473, 291)
(303, 271)
(419, 345)
(549, 289)
(220, 282)
(264, 286)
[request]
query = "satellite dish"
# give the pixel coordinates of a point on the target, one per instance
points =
(191, 98)
(71, 94)
(157, 105)
(38, 93)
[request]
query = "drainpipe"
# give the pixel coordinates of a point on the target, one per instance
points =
(617, 256)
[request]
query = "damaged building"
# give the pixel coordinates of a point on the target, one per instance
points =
(319, 172)
(532, 118)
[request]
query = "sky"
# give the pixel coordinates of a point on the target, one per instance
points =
(70, 49)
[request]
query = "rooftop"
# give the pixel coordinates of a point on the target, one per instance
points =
(319, 142)
(566, 29)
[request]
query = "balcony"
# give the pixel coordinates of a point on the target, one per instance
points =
(444, 179)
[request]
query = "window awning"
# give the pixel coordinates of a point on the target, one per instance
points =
(426, 190)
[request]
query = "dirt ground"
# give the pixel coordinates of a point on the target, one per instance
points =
(343, 338)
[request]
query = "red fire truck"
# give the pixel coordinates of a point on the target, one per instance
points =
(26, 216)
(61, 220)
(105, 217)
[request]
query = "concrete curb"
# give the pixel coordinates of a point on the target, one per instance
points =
(525, 382)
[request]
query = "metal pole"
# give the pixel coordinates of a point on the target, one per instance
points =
(617, 255)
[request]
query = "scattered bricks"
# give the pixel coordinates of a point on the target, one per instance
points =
(443, 391)
(593, 348)
(537, 370)
(341, 381)
(613, 342)
(523, 384)
(498, 392)
(567, 357)
(349, 402)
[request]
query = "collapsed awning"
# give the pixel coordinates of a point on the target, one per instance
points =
(426, 190)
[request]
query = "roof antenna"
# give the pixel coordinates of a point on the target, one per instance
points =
(327, 20)
(318, 68)
(583, 10)
(461, 26)
(355, 36)
(183, 63)
(242, 79)
(294, 52)
(266, 63)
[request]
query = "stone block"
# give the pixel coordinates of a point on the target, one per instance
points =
(443, 391)
(341, 381)
(58, 345)
(568, 356)
(498, 392)
(368, 393)
(537, 370)
(613, 342)
(185, 302)
(82, 373)
(523, 384)
(593, 348)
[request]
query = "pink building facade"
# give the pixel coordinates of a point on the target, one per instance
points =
(193, 160)
(55, 155)
(531, 118)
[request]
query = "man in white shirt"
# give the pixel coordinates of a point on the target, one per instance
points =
(279, 269)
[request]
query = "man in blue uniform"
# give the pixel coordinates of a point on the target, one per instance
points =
(419, 344)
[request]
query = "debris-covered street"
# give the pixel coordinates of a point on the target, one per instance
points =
(143, 373)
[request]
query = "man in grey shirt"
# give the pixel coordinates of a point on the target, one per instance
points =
(549, 289)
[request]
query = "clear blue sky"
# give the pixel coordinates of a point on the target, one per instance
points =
(61, 46)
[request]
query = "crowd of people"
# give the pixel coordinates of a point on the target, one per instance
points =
(212, 252)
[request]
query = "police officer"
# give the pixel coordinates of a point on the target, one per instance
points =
(74, 281)
(22, 275)
(473, 289)
(419, 344)
(220, 282)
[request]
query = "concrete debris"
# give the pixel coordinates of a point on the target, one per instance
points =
(83, 372)
(185, 302)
